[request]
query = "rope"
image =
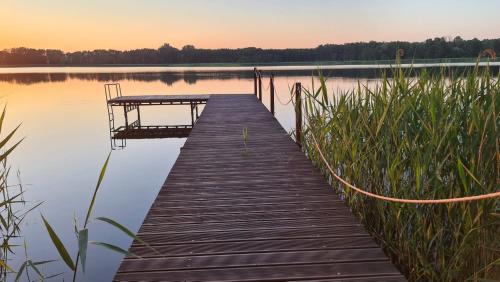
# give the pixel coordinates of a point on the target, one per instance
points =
(292, 95)
(399, 200)
(384, 198)
(268, 86)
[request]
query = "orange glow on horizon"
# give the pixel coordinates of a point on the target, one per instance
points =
(124, 25)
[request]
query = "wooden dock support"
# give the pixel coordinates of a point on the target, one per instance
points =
(298, 114)
(125, 112)
(271, 94)
(192, 113)
(255, 81)
(138, 116)
(260, 85)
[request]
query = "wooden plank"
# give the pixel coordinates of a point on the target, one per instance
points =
(147, 99)
(258, 210)
(371, 271)
(257, 246)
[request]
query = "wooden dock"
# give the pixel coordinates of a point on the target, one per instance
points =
(135, 129)
(158, 100)
(255, 212)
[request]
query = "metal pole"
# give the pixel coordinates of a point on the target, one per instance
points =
(271, 82)
(298, 114)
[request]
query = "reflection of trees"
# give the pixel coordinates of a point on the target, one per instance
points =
(190, 77)
(165, 77)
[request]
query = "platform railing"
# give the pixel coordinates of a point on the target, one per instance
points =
(296, 91)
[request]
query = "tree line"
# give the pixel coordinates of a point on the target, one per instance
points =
(436, 48)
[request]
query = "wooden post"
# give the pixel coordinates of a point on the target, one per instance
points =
(298, 114)
(138, 115)
(192, 113)
(126, 116)
(260, 85)
(255, 81)
(271, 86)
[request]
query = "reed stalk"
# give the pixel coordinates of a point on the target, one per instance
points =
(425, 135)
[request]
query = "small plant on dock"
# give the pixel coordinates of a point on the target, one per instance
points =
(418, 136)
(245, 140)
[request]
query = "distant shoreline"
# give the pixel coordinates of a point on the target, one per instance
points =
(292, 66)
(294, 63)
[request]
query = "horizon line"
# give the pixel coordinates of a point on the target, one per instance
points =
(446, 38)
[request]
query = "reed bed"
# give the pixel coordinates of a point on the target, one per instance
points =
(417, 136)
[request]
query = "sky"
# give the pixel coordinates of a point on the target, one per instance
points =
(129, 24)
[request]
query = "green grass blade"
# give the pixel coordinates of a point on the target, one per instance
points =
(20, 271)
(8, 137)
(99, 181)
(83, 239)
(6, 266)
(6, 153)
(114, 248)
(54, 275)
(2, 118)
(43, 262)
(32, 265)
(126, 231)
(59, 245)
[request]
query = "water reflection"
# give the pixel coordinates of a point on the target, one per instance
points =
(169, 78)
(192, 77)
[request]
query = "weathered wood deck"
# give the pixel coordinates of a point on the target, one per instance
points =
(265, 214)
(158, 100)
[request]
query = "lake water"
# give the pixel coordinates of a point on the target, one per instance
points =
(65, 125)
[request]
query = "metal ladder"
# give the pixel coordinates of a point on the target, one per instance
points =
(108, 91)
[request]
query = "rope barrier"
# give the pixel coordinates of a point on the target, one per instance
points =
(399, 200)
(385, 198)
(292, 95)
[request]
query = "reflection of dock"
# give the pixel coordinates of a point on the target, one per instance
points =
(152, 132)
(251, 208)
(135, 129)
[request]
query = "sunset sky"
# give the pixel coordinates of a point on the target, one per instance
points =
(128, 24)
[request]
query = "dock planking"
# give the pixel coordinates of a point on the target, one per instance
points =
(158, 100)
(255, 212)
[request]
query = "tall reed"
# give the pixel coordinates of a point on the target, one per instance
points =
(419, 136)
(13, 211)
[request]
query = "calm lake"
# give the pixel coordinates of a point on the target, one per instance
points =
(65, 124)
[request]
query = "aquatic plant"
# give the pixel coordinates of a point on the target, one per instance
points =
(13, 208)
(82, 234)
(13, 211)
(417, 136)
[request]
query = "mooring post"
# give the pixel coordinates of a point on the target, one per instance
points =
(260, 85)
(255, 81)
(192, 113)
(271, 86)
(298, 114)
